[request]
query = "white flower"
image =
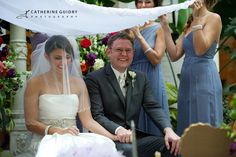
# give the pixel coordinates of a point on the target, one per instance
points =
(99, 63)
(9, 64)
(2, 46)
(132, 74)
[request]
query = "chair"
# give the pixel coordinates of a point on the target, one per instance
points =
(202, 140)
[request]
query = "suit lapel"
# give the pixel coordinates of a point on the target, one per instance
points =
(129, 93)
(112, 79)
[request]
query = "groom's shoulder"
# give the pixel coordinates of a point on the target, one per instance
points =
(96, 74)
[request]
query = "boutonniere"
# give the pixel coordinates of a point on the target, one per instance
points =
(132, 74)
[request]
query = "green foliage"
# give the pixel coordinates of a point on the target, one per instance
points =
(7, 122)
(5, 154)
(10, 82)
(231, 132)
(229, 32)
(228, 91)
(230, 29)
(226, 111)
(226, 10)
(172, 93)
(182, 18)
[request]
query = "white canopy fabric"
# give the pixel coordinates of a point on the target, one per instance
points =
(72, 17)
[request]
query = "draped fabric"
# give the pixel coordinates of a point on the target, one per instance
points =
(72, 17)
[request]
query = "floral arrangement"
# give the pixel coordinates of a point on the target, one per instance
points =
(93, 52)
(10, 82)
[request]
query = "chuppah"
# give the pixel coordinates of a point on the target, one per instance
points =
(71, 17)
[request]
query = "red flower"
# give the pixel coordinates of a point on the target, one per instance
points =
(84, 68)
(1, 40)
(4, 73)
(85, 43)
(113, 33)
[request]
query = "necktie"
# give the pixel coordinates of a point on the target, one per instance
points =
(121, 80)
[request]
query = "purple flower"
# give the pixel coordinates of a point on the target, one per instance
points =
(105, 40)
(5, 50)
(90, 59)
(11, 73)
(232, 148)
(38, 38)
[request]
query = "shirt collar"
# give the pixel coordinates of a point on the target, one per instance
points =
(117, 73)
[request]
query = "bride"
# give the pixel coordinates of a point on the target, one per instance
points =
(54, 95)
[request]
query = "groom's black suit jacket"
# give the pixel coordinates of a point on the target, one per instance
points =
(111, 109)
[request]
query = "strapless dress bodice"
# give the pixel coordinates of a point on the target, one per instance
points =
(58, 110)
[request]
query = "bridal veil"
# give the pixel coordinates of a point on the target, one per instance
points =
(61, 82)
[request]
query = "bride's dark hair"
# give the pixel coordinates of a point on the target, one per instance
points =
(58, 42)
(41, 65)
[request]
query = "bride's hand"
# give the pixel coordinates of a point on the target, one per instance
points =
(71, 130)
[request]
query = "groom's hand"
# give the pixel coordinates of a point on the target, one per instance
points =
(172, 141)
(124, 135)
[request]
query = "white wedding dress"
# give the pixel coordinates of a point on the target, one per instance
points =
(60, 111)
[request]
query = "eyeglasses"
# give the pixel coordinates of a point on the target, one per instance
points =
(120, 50)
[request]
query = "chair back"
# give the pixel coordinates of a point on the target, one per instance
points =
(202, 140)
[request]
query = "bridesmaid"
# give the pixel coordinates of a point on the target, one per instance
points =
(149, 45)
(200, 90)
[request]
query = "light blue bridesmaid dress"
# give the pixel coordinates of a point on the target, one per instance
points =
(155, 76)
(200, 89)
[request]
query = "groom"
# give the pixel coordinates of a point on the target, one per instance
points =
(117, 95)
